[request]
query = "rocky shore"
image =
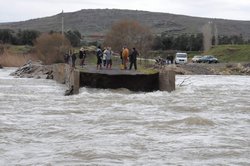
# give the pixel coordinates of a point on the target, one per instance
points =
(34, 70)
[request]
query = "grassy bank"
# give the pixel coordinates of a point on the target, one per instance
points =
(24, 49)
(231, 53)
(225, 53)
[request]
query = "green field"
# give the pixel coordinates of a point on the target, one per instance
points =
(231, 53)
(20, 49)
(224, 53)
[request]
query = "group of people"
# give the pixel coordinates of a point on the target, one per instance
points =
(131, 57)
(70, 58)
(104, 57)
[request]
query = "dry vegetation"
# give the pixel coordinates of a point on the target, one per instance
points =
(10, 60)
(50, 48)
(15, 56)
(131, 34)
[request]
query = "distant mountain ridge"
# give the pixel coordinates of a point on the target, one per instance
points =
(99, 21)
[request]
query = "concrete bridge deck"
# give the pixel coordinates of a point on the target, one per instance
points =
(89, 76)
(104, 70)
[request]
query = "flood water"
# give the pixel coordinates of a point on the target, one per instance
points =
(206, 121)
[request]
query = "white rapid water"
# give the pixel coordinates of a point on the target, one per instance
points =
(206, 121)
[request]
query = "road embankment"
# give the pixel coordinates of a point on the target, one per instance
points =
(212, 69)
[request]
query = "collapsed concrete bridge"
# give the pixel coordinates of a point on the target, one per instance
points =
(163, 80)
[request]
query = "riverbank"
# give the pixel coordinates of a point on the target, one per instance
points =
(212, 69)
(236, 64)
(45, 71)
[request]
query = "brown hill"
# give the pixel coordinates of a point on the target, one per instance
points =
(99, 21)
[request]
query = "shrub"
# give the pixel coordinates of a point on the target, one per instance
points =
(50, 48)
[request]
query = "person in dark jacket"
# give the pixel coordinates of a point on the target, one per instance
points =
(82, 56)
(99, 56)
(66, 58)
(72, 60)
(132, 59)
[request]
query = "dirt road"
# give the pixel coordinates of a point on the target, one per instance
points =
(212, 69)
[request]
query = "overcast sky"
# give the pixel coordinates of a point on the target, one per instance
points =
(20, 10)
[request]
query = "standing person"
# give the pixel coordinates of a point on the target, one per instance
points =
(109, 58)
(84, 57)
(104, 59)
(66, 58)
(72, 59)
(99, 58)
(125, 54)
(122, 65)
(132, 59)
(73, 56)
(81, 57)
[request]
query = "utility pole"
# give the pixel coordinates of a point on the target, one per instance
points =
(216, 42)
(62, 32)
(62, 24)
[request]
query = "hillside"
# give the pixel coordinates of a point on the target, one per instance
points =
(231, 53)
(99, 21)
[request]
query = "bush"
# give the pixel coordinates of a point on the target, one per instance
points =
(50, 48)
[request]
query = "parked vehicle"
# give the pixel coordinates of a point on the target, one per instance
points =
(208, 59)
(196, 58)
(181, 58)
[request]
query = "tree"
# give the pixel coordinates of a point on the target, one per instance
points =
(157, 43)
(74, 37)
(234, 39)
(6, 35)
(27, 37)
(168, 42)
(131, 34)
(50, 48)
(198, 42)
(184, 42)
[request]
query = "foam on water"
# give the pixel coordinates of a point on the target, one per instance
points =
(204, 122)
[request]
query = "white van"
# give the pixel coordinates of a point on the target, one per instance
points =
(181, 58)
